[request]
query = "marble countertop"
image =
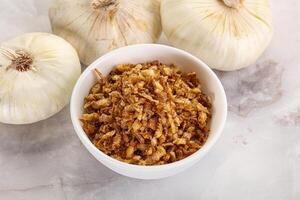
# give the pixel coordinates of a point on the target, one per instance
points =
(257, 157)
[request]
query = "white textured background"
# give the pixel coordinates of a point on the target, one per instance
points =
(257, 157)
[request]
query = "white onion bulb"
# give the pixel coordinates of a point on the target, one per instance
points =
(226, 34)
(95, 27)
(37, 75)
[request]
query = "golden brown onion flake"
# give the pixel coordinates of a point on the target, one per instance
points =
(147, 114)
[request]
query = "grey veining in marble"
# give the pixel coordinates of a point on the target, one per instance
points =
(257, 157)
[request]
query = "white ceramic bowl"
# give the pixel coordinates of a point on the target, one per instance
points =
(139, 54)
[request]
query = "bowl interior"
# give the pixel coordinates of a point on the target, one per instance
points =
(145, 53)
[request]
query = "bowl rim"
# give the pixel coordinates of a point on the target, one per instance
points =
(193, 157)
